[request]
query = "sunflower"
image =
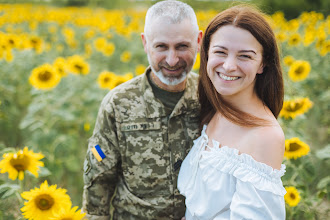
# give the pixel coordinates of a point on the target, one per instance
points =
(122, 79)
(325, 48)
(125, 56)
(60, 65)
(197, 62)
(293, 108)
(77, 65)
(299, 70)
(294, 40)
(44, 77)
(36, 43)
(295, 148)
(140, 69)
(292, 196)
(288, 60)
(109, 49)
(69, 214)
(16, 163)
(105, 79)
(42, 203)
(281, 36)
(100, 43)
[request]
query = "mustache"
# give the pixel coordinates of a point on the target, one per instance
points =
(180, 64)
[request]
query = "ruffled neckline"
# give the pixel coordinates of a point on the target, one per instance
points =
(228, 160)
(242, 157)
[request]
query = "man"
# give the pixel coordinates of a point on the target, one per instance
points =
(145, 127)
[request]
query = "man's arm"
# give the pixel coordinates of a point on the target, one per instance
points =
(101, 165)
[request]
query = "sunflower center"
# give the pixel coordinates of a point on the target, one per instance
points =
(44, 202)
(78, 67)
(67, 219)
(299, 70)
(294, 106)
(106, 79)
(292, 196)
(19, 164)
(294, 147)
(45, 75)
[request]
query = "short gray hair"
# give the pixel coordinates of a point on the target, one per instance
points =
(175, 11)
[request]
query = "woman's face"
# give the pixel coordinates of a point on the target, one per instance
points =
(235, 57)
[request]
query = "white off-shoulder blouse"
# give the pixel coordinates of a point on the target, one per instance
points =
(219, 183)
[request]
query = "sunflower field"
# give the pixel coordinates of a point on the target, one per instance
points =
(57, 64)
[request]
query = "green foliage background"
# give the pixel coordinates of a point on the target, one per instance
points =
(52, 122)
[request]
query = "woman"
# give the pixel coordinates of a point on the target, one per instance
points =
(234, 169)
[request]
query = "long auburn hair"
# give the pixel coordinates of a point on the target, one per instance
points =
(268, 85)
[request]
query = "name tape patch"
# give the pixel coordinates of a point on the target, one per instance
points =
(140, 126)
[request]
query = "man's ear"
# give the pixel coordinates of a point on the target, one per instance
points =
(144, 41)
(199, 39)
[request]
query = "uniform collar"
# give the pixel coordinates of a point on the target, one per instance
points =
(155, 108)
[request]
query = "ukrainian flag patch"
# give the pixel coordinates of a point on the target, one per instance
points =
(98, 153)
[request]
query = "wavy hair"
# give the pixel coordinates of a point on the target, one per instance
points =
(268, 86)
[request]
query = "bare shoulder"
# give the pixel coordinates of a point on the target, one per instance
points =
(268, 145)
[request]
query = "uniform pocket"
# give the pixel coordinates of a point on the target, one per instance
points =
(144, 163)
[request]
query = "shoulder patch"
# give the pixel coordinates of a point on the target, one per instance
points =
(98, 153)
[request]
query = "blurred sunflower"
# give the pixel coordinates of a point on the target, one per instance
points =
(197, 62)
(281, 36)
(89, 33)
(288, 60)
(60, 65)
(109, 49)
(299, 70)
(44, 202)
(36, 43)
(44, 77)
(88, 50)
(99, 43)
(77, 65)
(140, 69)
(294, 39)
(69, 214)
(293, 108)
(325, 48)
(120, 79)
(295, 148)
(125, 56)
(17, 163)
(105, 79)
(292, 196)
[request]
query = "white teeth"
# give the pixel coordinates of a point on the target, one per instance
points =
(227, 77)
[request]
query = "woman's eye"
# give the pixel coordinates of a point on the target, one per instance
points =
(220, 52)
(245, 56)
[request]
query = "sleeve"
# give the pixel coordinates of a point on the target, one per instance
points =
(250, 202)
(100, 176)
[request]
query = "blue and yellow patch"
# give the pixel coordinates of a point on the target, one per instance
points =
(98, 153)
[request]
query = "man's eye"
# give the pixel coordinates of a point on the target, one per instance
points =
(160, 46)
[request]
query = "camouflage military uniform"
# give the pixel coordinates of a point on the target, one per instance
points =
(144, 149)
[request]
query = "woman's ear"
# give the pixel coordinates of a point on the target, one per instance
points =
(261, 69)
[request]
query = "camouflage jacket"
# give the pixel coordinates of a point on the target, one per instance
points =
(143, 150)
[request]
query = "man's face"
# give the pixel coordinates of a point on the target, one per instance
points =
(171, 49)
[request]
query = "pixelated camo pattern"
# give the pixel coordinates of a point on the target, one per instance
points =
(144, 149)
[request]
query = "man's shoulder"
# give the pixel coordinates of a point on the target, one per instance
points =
(127, 90)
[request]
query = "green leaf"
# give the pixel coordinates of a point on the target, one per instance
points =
(324, 153)
(324, 183)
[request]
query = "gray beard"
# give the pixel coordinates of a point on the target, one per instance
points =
(168, 80)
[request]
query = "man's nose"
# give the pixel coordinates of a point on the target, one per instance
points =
(172, 58)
